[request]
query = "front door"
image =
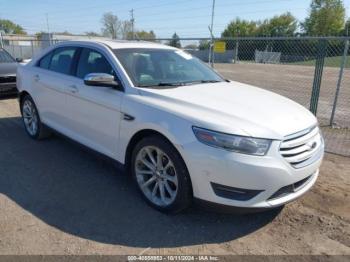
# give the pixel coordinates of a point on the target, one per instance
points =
(94, 111)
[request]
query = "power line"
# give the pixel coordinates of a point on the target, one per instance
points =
(208, 6)
(190, 17)
(82, 19)
(79, 8)
(88, 16)
(77, 26)
(221, 14)
(71, 10)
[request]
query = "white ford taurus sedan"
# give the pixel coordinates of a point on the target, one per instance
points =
(181, 130)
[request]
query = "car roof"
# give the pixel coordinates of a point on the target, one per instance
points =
(122, 44)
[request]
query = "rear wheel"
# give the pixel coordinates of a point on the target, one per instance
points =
(161, 175)
(31, 120)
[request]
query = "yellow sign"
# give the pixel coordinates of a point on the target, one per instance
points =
(220, 47)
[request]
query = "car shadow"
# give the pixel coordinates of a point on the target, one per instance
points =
(8, 96)
(81, 193)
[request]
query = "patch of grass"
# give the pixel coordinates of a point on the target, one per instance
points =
(334, 61)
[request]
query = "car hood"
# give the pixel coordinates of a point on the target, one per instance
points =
(234, 108)
(8, 68)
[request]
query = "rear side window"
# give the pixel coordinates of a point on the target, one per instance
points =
(45, 61)
(92, 61)
(62, 60)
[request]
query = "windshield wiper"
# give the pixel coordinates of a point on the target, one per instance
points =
(181, 83)
(210, 81)
(201, 82)
(164, 84)
(171, 84)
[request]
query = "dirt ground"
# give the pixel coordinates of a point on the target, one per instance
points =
(59, 198)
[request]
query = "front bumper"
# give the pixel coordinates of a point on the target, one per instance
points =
(267, 175)
(8, 88)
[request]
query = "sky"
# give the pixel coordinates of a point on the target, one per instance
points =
(188, 18)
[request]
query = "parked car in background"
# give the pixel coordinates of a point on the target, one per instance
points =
(8, 68)
(181, 130)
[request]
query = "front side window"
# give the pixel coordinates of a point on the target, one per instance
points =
(92, 61)
(163, 67)
(5, 57)
(45, 61)
(62, 60)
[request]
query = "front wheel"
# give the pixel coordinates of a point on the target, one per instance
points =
(161, 175)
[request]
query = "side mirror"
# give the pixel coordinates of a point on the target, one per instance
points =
(100, 79)
(19, 60)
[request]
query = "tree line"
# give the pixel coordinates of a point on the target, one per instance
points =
(325, 18)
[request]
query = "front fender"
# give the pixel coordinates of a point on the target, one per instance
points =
(177, 130)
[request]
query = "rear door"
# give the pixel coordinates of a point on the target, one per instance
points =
(51, 79)
(94, 111)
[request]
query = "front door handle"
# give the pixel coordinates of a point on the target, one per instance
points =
(73, 89)
(36, 78)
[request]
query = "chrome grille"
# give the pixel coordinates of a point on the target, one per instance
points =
(302, 148)
(7, 79)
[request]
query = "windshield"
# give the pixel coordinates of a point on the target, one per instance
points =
(5, 57)
(164, 67)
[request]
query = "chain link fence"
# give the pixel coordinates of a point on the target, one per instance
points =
(306, 70)
(315, 72)
(26, 49)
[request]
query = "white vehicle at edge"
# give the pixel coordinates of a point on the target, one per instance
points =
(182, 130)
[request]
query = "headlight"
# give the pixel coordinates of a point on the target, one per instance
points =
(239, 144)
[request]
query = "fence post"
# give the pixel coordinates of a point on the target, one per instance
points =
(315, 94)
(1, 43)
(21, 50)
(213, 55)
(236, 52)
(13, 48)
(340, 78)
(32, 45)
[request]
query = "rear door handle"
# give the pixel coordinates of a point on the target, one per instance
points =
(73, 89)
(36, 78)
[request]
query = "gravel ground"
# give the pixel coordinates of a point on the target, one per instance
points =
(59, 198)
(295, 82)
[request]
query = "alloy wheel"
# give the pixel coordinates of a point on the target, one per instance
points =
(30, 117)
(156, 175)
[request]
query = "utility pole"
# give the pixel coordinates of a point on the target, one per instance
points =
(211, 47)
(48, 28)
(132, 23)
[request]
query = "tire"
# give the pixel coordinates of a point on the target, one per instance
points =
(31, 120)
(169, 172)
